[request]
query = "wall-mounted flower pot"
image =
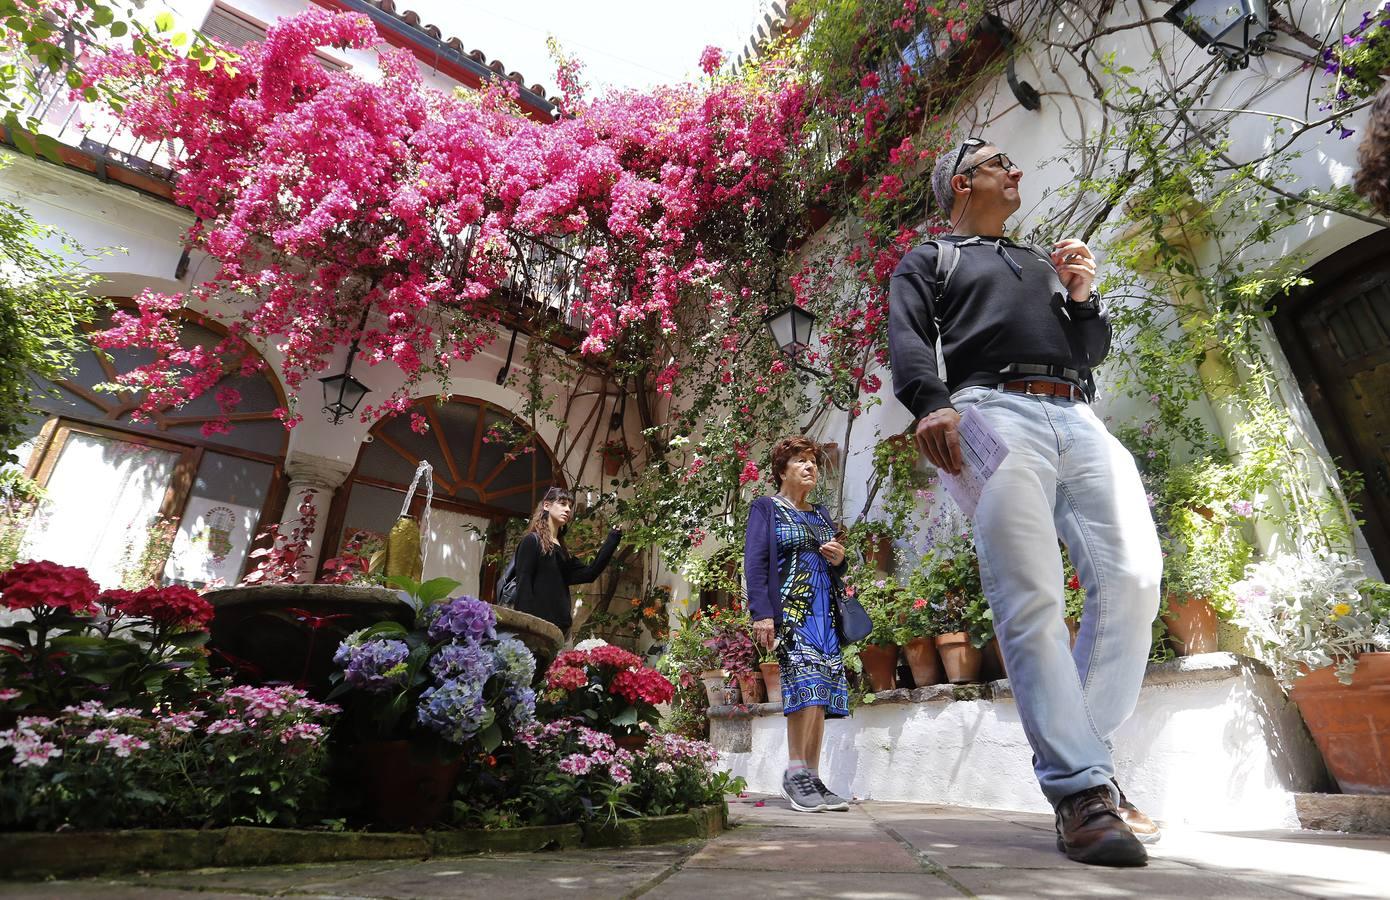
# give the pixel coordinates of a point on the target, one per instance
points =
(772, 680)
(1350, 723)
(750, 685)
(1193, 626)
(961, 660)
(713, 680)
(612, 464)
(880, 665)
(880, 553)
(924, 661)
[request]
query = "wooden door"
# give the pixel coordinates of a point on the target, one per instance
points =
(1337, 335)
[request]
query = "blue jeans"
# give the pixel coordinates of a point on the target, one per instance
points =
(1066, 476)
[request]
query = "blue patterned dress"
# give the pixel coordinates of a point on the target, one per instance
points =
(813, 672)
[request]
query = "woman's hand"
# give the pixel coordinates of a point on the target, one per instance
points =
(763, 633)
(833, 551)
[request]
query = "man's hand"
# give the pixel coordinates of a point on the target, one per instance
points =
(938, 441)
(833, 551)
(763, 634)
(1076, 267)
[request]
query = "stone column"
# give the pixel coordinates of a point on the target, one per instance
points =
(323, 477)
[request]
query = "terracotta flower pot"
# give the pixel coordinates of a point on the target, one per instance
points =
(1193, 625)
(880, 665)
(961, 661)
(772, 680)
(750, 685)
(924, 661)
(1351, 722)
(994, 660)
(1073, 628)
(713, 680)
(634, 742)
(612, 465)
(880, 553)
(405, 790)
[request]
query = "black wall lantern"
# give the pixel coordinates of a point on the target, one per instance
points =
(791, 328)
(342, 393)
(1235, 30)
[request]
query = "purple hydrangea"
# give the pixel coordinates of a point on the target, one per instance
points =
(455, 710)
(465, 617)
(523, 706)
(514, 658)
(469, 661)
(374, 666)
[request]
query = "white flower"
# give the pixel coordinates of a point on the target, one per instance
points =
(590, 644)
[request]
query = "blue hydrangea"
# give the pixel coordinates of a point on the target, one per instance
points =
(465, 618)
(522, 701)
(374, 666)
(515, 659)
(469, 661)
(455, 710)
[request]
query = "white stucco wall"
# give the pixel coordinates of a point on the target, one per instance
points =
(1218, 748)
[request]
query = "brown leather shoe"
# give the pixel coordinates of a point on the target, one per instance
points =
(1090, 830)
(1144, 828)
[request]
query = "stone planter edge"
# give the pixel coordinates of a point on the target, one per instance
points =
(30, 855)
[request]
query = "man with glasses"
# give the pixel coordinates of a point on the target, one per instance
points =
(1020, 330)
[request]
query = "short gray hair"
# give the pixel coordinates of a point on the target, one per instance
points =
(942, 174)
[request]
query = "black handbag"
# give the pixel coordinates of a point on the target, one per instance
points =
(852, 621)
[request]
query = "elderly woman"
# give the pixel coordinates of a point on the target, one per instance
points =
(793, 565)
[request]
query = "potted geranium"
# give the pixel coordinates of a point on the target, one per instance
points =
(917, 631)
(882, 599)
(606, 687)
(424, 696)
(613, 452)
(1073, 598)
(1324, 630)
(963, 621)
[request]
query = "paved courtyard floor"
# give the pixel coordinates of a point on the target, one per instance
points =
(877, 850)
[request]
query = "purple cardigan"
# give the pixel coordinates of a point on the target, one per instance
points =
(760, 563)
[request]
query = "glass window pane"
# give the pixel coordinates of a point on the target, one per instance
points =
(122, 481)
(219, 521)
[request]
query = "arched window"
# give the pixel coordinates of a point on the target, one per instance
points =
(490, 471)
(174, 504)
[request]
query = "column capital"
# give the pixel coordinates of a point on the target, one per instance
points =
(307, 470)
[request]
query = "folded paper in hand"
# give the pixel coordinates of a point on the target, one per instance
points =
(982, 450)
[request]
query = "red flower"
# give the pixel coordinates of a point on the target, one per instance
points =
(47, 584)
(174, 605)
(565, 678)
(614, 657)
(643, 684)
(1074, 583)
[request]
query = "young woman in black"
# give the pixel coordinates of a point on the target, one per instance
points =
(544, 568)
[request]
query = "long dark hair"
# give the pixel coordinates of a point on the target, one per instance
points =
(540, 520)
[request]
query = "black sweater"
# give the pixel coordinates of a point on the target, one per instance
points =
(543, 579)
(1005, 304)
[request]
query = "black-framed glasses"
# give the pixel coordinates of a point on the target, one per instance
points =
(1002, 158)
(966, 146)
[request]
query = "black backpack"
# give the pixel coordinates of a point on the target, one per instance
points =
(507, 587)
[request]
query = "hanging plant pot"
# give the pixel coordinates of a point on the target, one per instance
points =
(612, 464)
(713, 680)
(880, 665)
(961, 660)
(1350, 723)
(772, 680)
(750, 685)
(1193, 625)
(924, 660)
(880, 553)
(405, 790)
